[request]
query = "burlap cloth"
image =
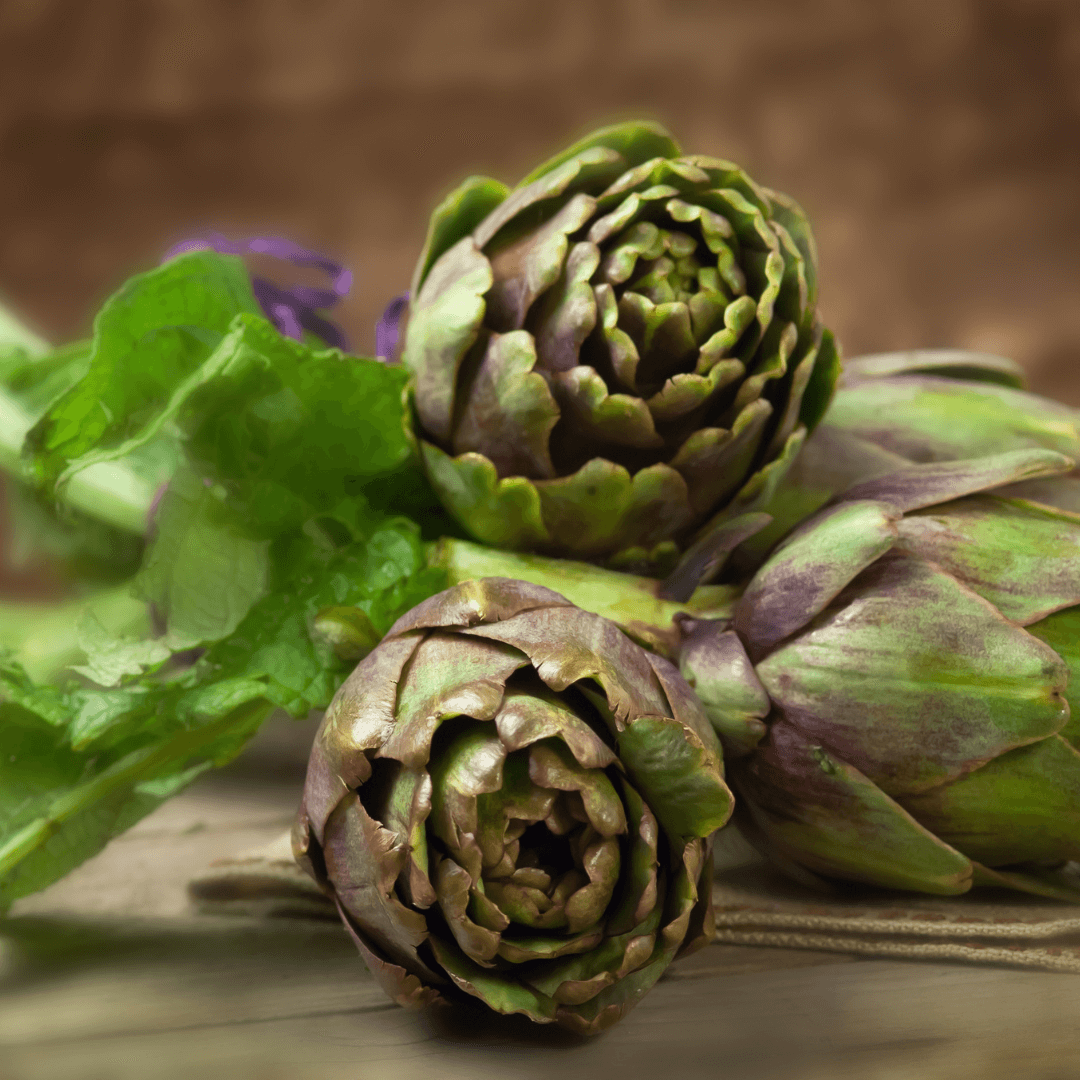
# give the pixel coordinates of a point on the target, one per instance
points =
(754, 906)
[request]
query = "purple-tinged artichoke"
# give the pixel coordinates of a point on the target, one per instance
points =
(897, 690)
(510, 799)
(616, 352)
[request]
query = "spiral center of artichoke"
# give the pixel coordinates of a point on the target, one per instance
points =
(553, 867)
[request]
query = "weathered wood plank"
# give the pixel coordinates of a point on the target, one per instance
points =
(109, 975)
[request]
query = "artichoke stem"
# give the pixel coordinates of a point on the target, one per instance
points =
(630, 601)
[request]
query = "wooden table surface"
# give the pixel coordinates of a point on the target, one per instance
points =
(110, 975)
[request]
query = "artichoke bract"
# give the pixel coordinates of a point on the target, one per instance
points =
(616, 352)
(510, 799)
(898, 690)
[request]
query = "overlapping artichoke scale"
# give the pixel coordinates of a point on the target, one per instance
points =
(1022, 557)
(823, 813)
(915, 680)
(934, 418)
(1022, 807)
(1061, 631)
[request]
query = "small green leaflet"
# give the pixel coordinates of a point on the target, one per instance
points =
(111, 658)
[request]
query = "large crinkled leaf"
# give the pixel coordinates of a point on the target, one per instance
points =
(926, 418)
(823, 813)
(444, 319)
(810, 569)
(288, 430)
(148, 337)
(1023, 558)
(59, 806)
(914, 679)
(1021, 807)
(201, 571)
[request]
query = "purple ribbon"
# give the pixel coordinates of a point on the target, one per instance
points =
(388, 328)
(293, 310)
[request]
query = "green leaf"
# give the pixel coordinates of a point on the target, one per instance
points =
(150, 335)
(383, 574)
(111, 658)
(58, 807)
(201, 571)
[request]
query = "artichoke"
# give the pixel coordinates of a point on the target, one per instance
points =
(615, 353)
(510, 799)
(898, 689)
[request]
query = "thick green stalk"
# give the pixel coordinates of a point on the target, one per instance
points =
(630, 601)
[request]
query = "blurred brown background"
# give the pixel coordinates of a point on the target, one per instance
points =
(934, 143)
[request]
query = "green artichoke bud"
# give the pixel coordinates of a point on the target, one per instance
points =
(510, 799)
(615, 352)
(898, 690)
